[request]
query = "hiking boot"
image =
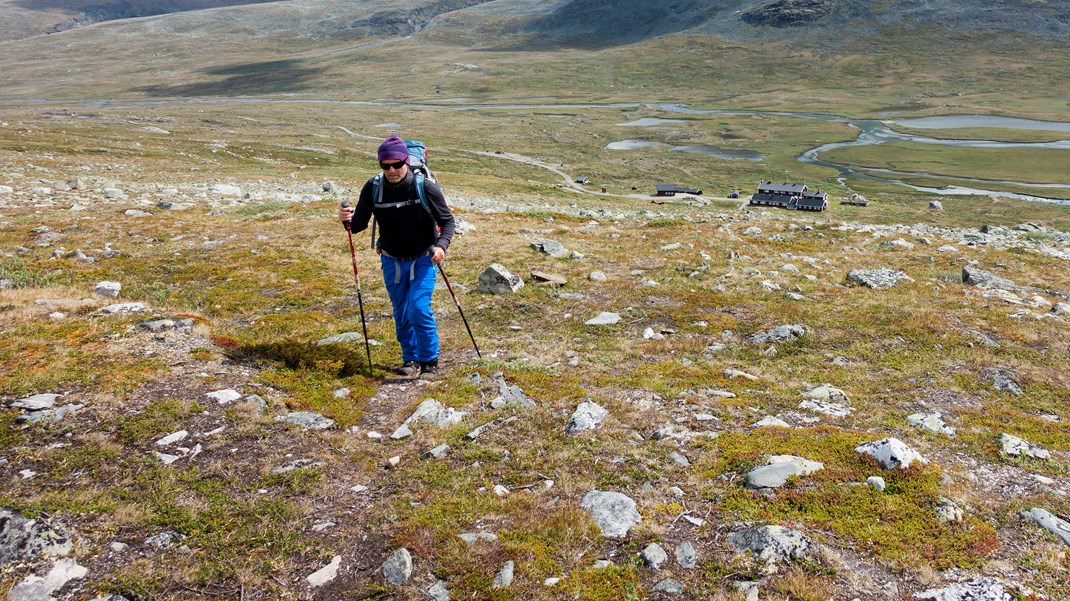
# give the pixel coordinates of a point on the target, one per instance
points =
(409, 368)
(428, 369)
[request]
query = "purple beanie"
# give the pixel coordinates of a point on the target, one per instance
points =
(393, 149)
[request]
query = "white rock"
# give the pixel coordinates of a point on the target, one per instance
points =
(108, 289)
(891, 453)
(325, 574)
(224, 396)
(172, 438)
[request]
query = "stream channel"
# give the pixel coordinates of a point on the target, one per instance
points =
(871, 131)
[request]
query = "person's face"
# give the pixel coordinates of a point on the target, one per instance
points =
(394, 171)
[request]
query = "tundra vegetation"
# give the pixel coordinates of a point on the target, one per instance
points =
(256, 505)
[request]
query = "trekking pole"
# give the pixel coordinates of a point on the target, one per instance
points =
(360, 297)
(460, 310)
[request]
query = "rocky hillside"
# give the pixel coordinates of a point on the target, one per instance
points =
(687, 400)
(575, 23)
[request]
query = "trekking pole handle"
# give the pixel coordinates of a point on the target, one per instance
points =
(345, 205)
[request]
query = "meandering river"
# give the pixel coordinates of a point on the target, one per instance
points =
(871, 131)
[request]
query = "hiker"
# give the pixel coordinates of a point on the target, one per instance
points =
(414, 234)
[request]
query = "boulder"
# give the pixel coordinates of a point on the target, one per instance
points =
(984, 279)
(23, 539)
(780, 333)
(771, 543)
(615, 513)
(877, 278)
(604, 318)
(586, 417)
(975, 589)
(397, 569)
(776, 472)
(1046, 520)
(496, 279)
(891, 453)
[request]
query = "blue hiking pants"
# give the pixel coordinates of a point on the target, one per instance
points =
(410, 282)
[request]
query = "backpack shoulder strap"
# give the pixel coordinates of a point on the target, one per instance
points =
(421, 190)
(377, 197)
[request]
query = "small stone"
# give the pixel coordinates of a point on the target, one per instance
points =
(605, 318)
(653, 556)
(686, 556)
(325, 574)
(224, 396)
(877, 483)
(397, 569)
(108, 289)
(505, 575)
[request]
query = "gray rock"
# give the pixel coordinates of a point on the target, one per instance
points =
(834, 409)
(891, 453)
(975, 589)
(38, 588)
(653, 556)
(669, 587)
(877, 278)
(1004, 380)
(771, 543)
(1016, 447)
(474, 537)
(325, 574)
(309, 420)
(1057, 526)
(397, 569)
(23, 539)
(496, 279)
(551, 247)
(402, 432)
(437, 453)
(108, 289)
(505, 576)
(877, 483)
(826, 392)
(932, 422)
(679, 459)
(770, 421)
(686, 556)
(604, 318)
(125, 308)
(49, 415)
(436, 414)
(164, 539)
(36, 402)
(780, 333)
(597, 276)
(936, 205)
(614, 512)
(180, 324)
(586, 417)
(297, 464)
(480, 430)
(1061, 309)
(510, 395)
(439, 592)
(984, 279)
(948, 511)
(779, 468)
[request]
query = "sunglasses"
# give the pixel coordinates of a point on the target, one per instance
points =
(395, 166)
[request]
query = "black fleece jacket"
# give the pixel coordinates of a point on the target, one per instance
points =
(408, 231)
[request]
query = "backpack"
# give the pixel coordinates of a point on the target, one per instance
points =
(421, 172)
